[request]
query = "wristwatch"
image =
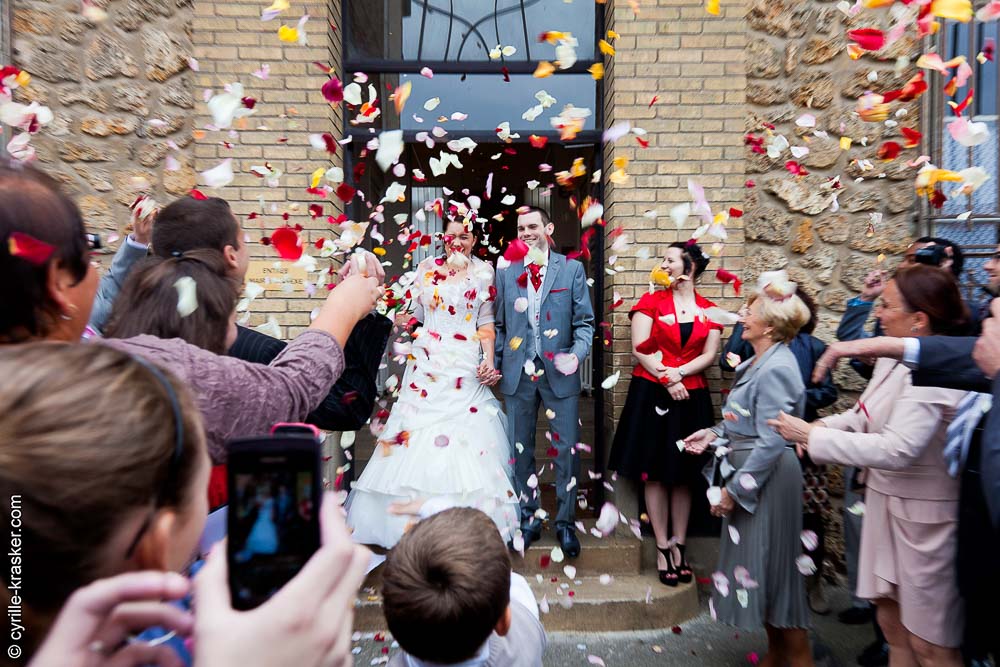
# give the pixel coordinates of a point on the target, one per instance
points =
(681, 371)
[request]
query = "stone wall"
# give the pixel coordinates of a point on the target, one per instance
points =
(797, 63)
(120, 90)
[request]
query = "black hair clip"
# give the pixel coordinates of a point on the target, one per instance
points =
(176, 253)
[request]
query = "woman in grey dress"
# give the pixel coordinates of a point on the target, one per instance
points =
(756, 482)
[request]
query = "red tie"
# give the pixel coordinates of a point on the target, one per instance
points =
(535, 271)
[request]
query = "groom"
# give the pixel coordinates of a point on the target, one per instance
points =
(542, 310)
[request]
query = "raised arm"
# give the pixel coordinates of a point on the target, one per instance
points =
(780, 391)
(129, 253)
(917, 416)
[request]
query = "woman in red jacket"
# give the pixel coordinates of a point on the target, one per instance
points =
(668, 399)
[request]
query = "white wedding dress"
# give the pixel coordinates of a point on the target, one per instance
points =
(448, 433)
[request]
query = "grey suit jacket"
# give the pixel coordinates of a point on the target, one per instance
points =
(772, 385)
(566, 308)
(111, 283)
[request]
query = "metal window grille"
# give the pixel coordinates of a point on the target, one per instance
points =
(979, 233)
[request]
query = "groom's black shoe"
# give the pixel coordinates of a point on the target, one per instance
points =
(568, 541)
(531, 531)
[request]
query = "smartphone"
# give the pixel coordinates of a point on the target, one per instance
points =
(275, 488)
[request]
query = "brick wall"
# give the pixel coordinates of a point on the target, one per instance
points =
(693, 63)
(230, 43)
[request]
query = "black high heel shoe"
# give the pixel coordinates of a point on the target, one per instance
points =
(684, 572)
(668, 577)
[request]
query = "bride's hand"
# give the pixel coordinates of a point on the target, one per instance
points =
(487, 374)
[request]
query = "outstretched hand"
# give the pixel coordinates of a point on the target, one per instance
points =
(94, 625)
(699, 441)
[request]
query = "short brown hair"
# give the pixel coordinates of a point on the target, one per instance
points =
(148, 301)
(187, 224)
(785, 316)
(934, 292)
(446, 585)
(87, 440)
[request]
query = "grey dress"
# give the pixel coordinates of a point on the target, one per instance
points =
(758, 581)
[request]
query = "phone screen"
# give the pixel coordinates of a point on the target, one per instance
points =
(273, 521)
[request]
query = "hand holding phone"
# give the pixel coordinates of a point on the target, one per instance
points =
(274, 494)
(316, 608)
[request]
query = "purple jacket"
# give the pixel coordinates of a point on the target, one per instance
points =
(238, 398)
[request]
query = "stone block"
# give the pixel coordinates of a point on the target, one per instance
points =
(137, 13)
(868, 200)
(858, 82)
(854, 269)
(33, 20)
(48, 59)
(103, 126)
(767, 224)
(891, 236)
(97, 178)
(129, 183)
(823, 261)
(759, 260)
(783, 18)
(765, 94)
(819, 50)
(763, 61)
(166, 54)
(73, 151)
(834, 228)
(92, 97)
(131, 97)
(900, 199)
(804, 237)
(813, 90)
(807, 194)
(178, 94)
(179, 182)
(823, 153)
(74, 27)
(108, 57)
(96, 213)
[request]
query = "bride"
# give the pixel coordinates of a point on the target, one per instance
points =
(446, 436)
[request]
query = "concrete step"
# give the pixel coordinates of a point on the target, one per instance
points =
(614, 555)
(592, 604)
(586, 604)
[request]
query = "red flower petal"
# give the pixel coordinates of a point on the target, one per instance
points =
(516, 251)
(735, 213)
(868, 39)
(345, 192)
(29, 248)
(889, 150)
(912, 137)
(315, 210)
(537, 141)
(333, 91)
(329, 142)
(199, 195)
(729, 277)
(287, 242)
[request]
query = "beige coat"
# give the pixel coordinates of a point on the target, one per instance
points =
(910, 533)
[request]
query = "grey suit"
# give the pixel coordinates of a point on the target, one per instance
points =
(565, 308)
(767, 488)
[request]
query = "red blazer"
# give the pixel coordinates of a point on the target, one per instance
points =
(666, 334)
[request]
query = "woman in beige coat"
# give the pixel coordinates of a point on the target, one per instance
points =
(898, 432)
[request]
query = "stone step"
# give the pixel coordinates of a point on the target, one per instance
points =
(586, 604)
(613, 555)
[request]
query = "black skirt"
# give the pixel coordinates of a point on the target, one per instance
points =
(645, 445)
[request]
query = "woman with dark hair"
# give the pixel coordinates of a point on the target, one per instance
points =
(668, 399)
(899, 432)
(148, 303)
(44, 258)
(815, 496)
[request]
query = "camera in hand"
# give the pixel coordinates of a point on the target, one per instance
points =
(932, 255)
(274, 496)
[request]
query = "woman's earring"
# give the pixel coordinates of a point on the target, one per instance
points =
(914, 328)
(72, 310)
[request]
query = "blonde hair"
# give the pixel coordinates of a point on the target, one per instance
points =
(786, 317)
(87, 439)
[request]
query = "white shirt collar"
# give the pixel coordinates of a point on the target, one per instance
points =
(481, 658)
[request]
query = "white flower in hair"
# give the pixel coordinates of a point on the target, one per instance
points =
(776, 285)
